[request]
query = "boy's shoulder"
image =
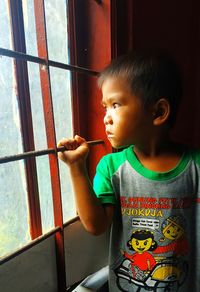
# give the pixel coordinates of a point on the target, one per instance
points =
(195, 153)
(119, 155)
(114, 160)
(191, 154)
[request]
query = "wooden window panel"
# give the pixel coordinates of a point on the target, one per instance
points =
(92, 33)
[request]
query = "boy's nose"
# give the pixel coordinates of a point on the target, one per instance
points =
(108, 119)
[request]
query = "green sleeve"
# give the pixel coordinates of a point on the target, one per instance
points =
(102, 183)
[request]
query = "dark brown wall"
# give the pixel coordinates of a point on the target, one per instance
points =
(175, 27)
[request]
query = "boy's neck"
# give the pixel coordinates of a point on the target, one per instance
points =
(160, 156)
(157, 148)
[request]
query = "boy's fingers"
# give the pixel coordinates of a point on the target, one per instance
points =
(71, 144)
(62, 142)
(79, 139)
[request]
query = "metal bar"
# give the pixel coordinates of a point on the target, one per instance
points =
(21, 56)
(29, 154)
(72, 68)
(26, 57)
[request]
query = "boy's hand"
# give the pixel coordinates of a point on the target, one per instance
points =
(77, 150)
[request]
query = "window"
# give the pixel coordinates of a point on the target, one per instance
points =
(20, 93)
(48, 66)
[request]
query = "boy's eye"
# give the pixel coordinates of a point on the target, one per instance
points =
(115, 105)
(112, 106)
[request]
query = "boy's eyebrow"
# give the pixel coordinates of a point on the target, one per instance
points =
(111, 98)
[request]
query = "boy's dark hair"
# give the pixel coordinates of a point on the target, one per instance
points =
(151, 75)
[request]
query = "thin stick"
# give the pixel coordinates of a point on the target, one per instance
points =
(29, 154)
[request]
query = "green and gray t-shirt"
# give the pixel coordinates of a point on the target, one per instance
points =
(155, 236)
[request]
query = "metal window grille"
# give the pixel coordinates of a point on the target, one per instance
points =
(21, 74)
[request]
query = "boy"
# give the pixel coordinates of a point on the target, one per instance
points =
(151, 187)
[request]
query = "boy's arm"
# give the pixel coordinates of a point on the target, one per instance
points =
(95, 217)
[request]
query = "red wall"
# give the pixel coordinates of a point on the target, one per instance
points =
(93, 52)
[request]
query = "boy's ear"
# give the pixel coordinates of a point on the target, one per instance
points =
(161, 112)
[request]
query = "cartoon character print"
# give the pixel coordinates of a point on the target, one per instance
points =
(173, 229)
(151, 267)
(141, 242)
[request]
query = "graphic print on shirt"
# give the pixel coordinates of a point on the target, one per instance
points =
(155, 256)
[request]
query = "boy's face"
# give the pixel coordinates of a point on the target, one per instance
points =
(126, 121)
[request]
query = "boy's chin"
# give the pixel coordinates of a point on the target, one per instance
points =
(119, 146)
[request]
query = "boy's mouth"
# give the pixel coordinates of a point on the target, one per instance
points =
(109, 134)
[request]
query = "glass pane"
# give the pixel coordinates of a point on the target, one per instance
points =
(29, 27)
(5, 35)
(43, 172)
(61, 94)
(56, 25)
(14, 229)
(44, 183)
(10, 138)
(37, 106)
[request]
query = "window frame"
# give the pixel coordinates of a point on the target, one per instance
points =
(22, 84)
